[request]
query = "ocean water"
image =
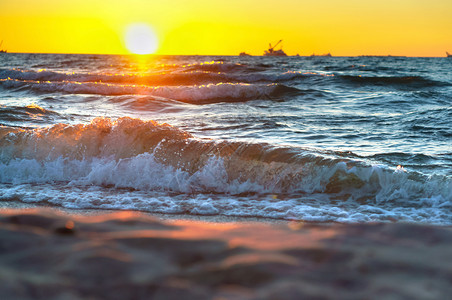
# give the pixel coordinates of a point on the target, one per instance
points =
(334, 139)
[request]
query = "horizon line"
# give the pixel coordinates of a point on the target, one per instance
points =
(296, 55)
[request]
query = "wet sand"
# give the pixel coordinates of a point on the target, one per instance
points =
(52, 254)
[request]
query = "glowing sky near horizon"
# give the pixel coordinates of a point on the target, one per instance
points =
(348, 27)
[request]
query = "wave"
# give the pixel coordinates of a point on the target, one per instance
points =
(27, 113)
(401, 81)
(199, 94)
(279, 77)
(155, 79)
(147, 156)
(197, 74)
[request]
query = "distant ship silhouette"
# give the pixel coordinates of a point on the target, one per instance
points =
(327, 55)
(272, 52)
(1, 50)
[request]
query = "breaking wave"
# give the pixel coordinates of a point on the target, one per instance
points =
(198, 94)
(130, 153)
(211, 73)
(186, 75)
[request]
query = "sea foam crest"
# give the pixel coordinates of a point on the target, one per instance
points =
(150, 79)
(215, 174)
(190, 75)
(191, 94)
(131, 153)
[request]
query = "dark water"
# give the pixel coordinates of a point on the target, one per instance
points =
(347, 139)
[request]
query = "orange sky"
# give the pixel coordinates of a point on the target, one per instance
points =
(348, 27)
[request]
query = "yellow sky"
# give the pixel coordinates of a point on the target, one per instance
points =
(348, 27)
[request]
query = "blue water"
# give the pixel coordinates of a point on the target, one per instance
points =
(346, 139)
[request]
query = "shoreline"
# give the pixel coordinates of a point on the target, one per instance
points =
(13, 205)
(48, 253)
(171, 218)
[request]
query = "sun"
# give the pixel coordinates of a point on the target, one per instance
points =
(140, 39)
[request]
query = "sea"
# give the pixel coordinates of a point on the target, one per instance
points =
(309, 139)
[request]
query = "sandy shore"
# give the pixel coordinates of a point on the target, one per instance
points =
(45, 254)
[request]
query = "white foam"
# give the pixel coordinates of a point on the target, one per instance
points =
(205, 208)
(299, 207)
(131, 164)
(191, 94)
(141, 172)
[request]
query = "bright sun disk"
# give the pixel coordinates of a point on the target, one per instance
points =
(140, 39)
